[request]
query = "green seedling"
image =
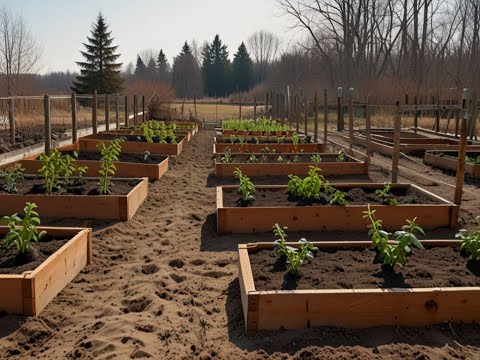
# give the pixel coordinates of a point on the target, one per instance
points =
(109, 154)
(295, 139)
(338, 198)
(146, 155)
(23, 231)
(246, 187)
(51, 169)
(10, 178)
(471, 241)
(341, 156)
(252, 159)
(385, 195)
(295, 256)
(308, 188)
(316, 158)
(226, 158)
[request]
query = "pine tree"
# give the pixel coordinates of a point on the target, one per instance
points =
(152, 69)
(163, 68)
(217, 73)
(99, 71)
(187, 78)
(140, 68)
(242, 69)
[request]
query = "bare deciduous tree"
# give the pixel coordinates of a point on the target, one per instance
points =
(264, 46)
(19, 51)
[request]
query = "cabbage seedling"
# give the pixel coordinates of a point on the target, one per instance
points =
(471, 242)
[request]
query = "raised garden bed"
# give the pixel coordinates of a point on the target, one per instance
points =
(288, 133)
(278, 165)
(272, 205)
(447, 160)
(132, 131)
(343, 287)
(264, 140)
(275, 147)
(130, 165)
(27, 292)
(78, 201)
(132, 144)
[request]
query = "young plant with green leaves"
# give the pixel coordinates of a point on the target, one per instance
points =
(246, 187)
(109, 154)
(252, 159)
(385, 195)
(338, 198)
(308, 188)
(10, 177)
(341, 156)
(23, 231)
(472, 159)
(226, 158)
(471, 241)
(316, 158)
(295, 256)
(295, 139)
(51, 169)
(393, 253)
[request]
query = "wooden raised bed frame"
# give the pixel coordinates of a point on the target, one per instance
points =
(103, 207)
(124, 169)
(253, 219)
(354, 167)
(186, 133)
(450, 164)
(29, 293)
(279, 148)
(89, 143)
(353, 308)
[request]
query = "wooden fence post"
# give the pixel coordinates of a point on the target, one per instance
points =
(94, 112)
(437, 116)
(457, 121)
(107, 112)
(297, 114)
(350, 120)
(396, 143)
(117, 106)
(340, 122)
(462, 147)
(11, 120)
(143, 109)
(127, 112)
(48, 125)
(315, 112)
(240, 109)
(135, 110)
(325, 117)
(74, 118)
(368, 131)
(415, 115)
(195, 107)
(305, 113)
(254, 108)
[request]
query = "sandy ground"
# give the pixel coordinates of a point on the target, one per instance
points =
(164, 286)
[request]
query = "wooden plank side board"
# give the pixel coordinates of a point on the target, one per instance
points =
(106, 207)
(331, 218)
(124, 169)
(29, 293)
(279, 148)
(449, 163)
(296, 309)
(89, 143)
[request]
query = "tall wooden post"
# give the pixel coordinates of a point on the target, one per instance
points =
(107, 112)
(240, 109)
(11, 120)
(415, 114)
(254, 107)
(195, 107)
(340, 122)
(396, 143)
(325, 117)
(437, 116)
(305, 113)
(127, 112)
(350, 119)
(135, 110)
(48, 124)
(368, 132)
(74, 118)
(297, 114)
(462, 151)
(117, 115)
(144, 114)
(94, 112)
(457, 121)
(315, 112)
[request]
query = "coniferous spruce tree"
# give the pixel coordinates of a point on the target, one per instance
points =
(242, 69)
(140, 68)
(186, 75)
(217, 72)
(99, 71)
(163, 68)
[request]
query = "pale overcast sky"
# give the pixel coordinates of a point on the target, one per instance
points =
(61, 26)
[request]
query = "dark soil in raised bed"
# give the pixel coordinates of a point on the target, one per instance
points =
(138, 138)
(261, 140)
(36, 186)
(358, 268)
(123, 157)
(11, 262)
(288, 158)
(356, 196)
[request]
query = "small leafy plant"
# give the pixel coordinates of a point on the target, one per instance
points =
(146, 155)
(308, 188)
(295, 257)
(295, 139)
(473, 159)
(10, 178)
(51, 170)
(385, 195)
(109, 154)
(316, 158)
(252, 159)
(226, 158)
(338, 198)
(23, 231)
(397, 252)
(471, 242)
(246, 187)
(341, 156)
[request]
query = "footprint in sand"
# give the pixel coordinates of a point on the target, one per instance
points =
(176, 263)
(136, 305)
(149, 269)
